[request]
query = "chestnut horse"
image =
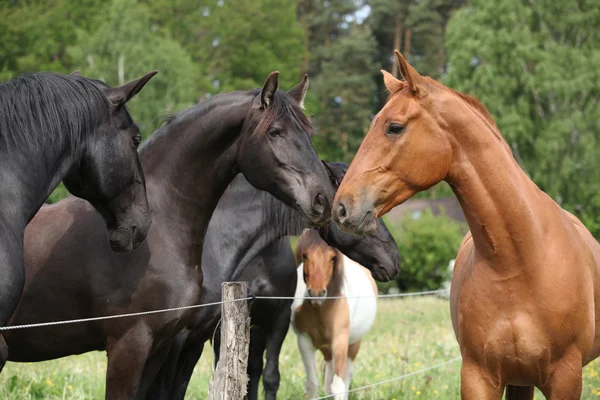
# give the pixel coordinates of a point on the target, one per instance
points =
(526, 282)
(333, 326)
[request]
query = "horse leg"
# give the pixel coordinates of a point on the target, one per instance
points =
(188, 359)
(163, 381)
(565, 382)
(352, 352)
(255, 361)
(127, 357)
(476, 385)
(275, 338)
(328, 375)
(12, 280)
(339, 349)
(307, 350)
(150, 374)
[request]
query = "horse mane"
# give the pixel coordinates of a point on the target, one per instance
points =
(40, 109)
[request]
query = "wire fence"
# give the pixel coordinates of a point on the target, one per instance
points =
(143, 313)
(216, 303)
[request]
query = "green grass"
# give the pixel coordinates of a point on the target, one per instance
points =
(408, 335)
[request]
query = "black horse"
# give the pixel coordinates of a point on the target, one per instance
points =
(55, 127)
(244, 242)
(188, 164)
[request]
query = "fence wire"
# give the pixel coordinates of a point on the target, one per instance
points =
(141, 313)
(398, 378)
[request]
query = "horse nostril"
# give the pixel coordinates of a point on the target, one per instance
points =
(319, 204)
(323, 293)
(341, 213)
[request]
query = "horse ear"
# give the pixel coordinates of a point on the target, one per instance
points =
(410, 74)
(298, 92)
(75, 73)
(121, 95)
(335, 175)
(392, 84)
(269, 88)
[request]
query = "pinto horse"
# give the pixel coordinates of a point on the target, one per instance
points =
(526, 284)
(57, 127)
(247, 241)
(188, 163)
(333, 326)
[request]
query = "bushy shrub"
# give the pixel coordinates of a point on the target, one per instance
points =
(427, 243)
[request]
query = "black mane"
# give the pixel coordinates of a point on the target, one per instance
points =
(42, 109)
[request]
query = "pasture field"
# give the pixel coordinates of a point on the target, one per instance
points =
(409, 334)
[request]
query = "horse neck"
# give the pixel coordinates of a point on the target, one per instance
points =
(31, 175)
(188, 165)
(245, 222)
(501, 204)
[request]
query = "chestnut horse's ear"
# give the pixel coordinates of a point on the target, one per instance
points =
(298, 92)
(75, 73)
(121, 95)
(392, 84)
(410, 74)
(269, 88)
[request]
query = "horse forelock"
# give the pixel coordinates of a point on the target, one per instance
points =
(41, 109)
(284, 106)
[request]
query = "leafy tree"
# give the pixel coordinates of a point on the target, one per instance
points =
(124, 47)
(34, 35)
(346, 90)
(236, 44)
(535, 66)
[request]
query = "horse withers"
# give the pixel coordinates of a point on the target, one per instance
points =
(526, 282)
(333, 326)
(57, 127)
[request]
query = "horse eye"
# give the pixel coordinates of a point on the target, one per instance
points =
(274, 132)
(395, 129)
(137, 139)
(334, 259)
(304, 257)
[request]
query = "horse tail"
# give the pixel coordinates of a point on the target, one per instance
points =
(519, 392)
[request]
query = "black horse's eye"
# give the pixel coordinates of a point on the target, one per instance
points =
(137, 139)
(274, 132)
(395, 129)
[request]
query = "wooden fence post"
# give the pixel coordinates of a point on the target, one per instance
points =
(230, 379)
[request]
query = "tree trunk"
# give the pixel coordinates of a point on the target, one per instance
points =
(397, 41)
(406, 52)
(230, 379)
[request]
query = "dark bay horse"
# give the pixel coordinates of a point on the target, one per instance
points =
(188, 164)
(525, 291)
(244, 242)
(57, 127)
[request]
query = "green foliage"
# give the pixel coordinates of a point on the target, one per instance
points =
(347, 93)
(426, 244)
(126, 42)
(535, 66)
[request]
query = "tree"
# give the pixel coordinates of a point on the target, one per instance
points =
(124, 47)
(236, 44)
(346, 91)
(534, 65)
